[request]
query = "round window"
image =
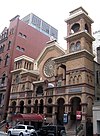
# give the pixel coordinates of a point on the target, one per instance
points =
(49, 100)
(49, 68)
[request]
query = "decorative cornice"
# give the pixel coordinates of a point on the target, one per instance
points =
(74, 55)
(81, 69)
(79, 35)
(81, 14)
(24, 57)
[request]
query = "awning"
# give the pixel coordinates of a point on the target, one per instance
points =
(29, 117)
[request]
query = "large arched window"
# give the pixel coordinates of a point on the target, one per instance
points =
(41, 106)
(75, 28)
(21, 106)
(36, 106)
(29, 106)
(13, 107)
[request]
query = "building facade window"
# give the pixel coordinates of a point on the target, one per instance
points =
(17, 79)
(39, 90)
(75, 28)
(0, 60)
(22, 35)
(36, 106)
(72, 47)
(3, 79)
(9, 45)
(41, 107)
(78, 46)
(75, 46)
(2, 48)
(22, 49)
(11, 31)
(18, 47)
(7, 59)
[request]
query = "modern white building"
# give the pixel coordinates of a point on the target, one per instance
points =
(96, 43)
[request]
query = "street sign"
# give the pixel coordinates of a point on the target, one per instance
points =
(78, 115)
(65, 118)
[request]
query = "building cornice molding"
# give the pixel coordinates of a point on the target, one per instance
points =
(81, 14)
(78, 35)
(74, 55)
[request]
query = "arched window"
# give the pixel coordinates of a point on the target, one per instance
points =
(9, 45)
(3, 79)
(29, 106)
(3, 47)
(49, 107)
(6, 59)
(22, 49)
(78, 45)
(36, 106)
(13, 107)
(86, 28)
(39, 90)
(75, 28)
(41, 106)
(18, 47)
(72, 47)
(21, 106)
(0, 60)
(17, 78)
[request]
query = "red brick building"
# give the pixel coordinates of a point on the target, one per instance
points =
(23, 37)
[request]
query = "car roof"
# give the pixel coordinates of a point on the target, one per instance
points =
(24, 125)
(54, 125)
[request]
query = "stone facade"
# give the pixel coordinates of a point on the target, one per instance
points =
(65, 82)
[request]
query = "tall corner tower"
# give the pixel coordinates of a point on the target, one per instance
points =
(80, 70)
(79, 31)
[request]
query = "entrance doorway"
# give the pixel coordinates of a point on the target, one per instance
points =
(75, 106)
(60, 111)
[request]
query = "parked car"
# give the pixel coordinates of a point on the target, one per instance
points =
(52, 130)
(22, 130)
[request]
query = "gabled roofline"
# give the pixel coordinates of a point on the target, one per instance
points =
(49, 45)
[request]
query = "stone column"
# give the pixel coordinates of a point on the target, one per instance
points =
(17, 106)
(25, 106)
(54, 114)
(84, 112)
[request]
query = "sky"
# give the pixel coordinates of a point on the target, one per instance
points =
(54, 12)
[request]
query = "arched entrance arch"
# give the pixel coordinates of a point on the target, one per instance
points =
(21, 106)
(36, 106)
(75, 106)
(41, 106)
(29, 106)
(13, 104)
(60, 110)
